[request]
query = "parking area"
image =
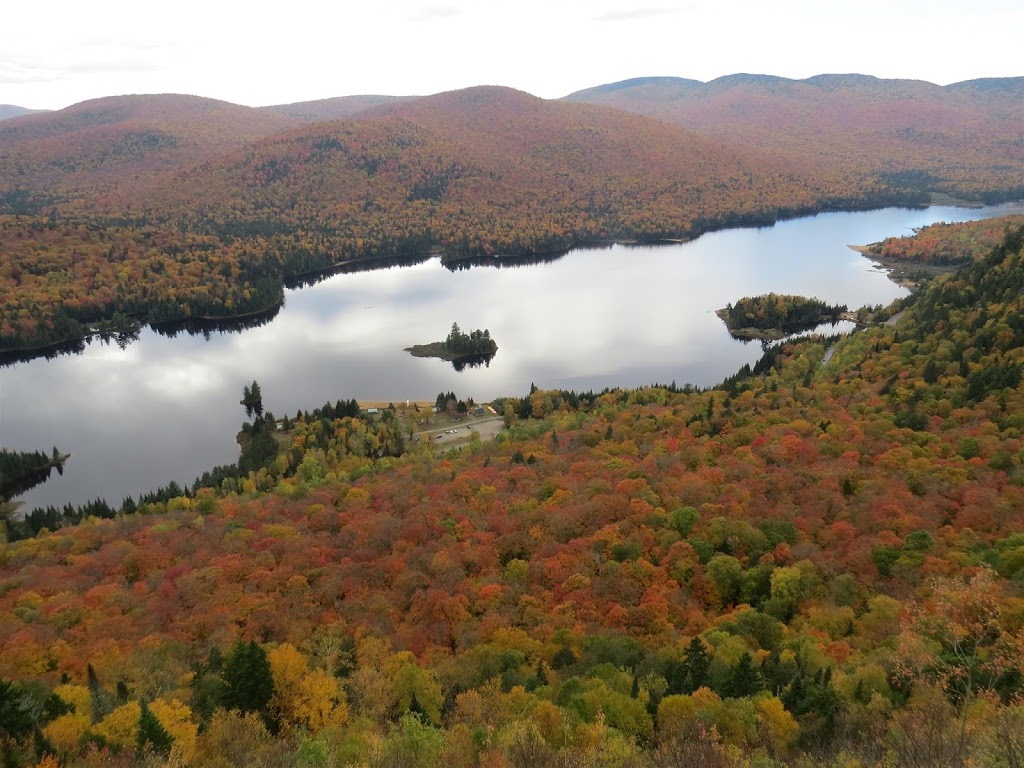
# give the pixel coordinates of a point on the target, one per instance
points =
(458, 434)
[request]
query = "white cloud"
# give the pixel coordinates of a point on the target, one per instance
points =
(64, 51)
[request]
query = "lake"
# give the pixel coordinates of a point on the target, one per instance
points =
(166, 409)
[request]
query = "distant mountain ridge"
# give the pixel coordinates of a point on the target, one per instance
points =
(962, 139)
(828, 81)
(339, 108)
(8, 111)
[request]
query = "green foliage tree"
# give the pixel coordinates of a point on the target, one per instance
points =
(252, 399)
(744, 679)
(101, 702)
(248, 683)
(152, 735)
(691, 673)
(16, 721)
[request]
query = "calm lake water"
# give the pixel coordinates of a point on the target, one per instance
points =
(167, 409)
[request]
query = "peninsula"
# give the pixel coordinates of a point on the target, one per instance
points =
(772, 316)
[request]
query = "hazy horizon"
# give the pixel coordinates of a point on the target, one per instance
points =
(65, 53)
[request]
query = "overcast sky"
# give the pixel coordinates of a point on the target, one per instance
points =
(57, 53)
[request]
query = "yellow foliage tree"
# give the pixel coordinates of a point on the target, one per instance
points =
(233, 739)
(304, 698)
(78, 697)
(776, 727)
(676, 714)
(413, 681)
(176, 718)
(322, 701)
(551, 721)
(120, 727)
(66, 732)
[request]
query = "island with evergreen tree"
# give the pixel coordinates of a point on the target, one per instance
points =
(772, 316)
(459, 346)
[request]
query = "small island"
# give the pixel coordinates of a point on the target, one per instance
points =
(459, 346)
(773, 316)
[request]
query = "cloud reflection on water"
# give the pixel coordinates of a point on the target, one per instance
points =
(167, 408)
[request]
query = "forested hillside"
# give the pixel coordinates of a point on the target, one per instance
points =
(962, 139)
(947, 244)
(116, 145)
(137, 209)
(810, 565)
(474, 172)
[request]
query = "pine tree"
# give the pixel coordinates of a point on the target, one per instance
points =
(415, 708)
(257, 398)
(99, 699)
(16, 720)
(541, 675)
(247, 400)
(248, 683)
(743, 679)
(693, 672)
(152, 735)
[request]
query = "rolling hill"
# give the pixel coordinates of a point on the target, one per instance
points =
(166, 207)
(962, 139)
(122, 141)
(340, 108)
(494, 170)
(206, 217)
(8, 111)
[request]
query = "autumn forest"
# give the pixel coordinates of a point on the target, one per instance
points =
(817, 562)
(162, 208)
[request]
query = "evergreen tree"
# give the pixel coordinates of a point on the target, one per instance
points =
(248, 683)
(692, 672)
(99, 699)
(16, 721)
(415, 708)
(743, 679)
(257, 398)
(152, 735)
(814, 703)
(252, 399)
(564, 657)
(541, 674)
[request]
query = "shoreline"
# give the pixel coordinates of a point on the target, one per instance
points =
(775, 334)
(41, 349)
(899, 273)
(906, 275)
